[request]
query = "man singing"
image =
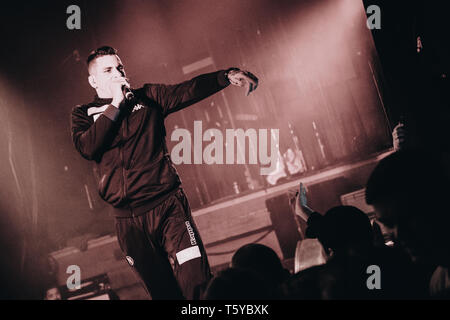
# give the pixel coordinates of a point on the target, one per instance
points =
(125, 137)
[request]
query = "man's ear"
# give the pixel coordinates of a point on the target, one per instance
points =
(92, 81)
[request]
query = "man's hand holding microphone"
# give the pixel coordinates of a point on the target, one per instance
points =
(120, 89)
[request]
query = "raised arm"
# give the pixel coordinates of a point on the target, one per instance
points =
(90, 137)
(176, 97)
(301, 204)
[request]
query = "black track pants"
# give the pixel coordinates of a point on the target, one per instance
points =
(163, 235)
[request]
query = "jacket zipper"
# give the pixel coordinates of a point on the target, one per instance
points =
(124, 189)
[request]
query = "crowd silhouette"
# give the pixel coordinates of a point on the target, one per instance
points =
(407, 190)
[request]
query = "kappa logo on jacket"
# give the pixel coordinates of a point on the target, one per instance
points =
(137, 107)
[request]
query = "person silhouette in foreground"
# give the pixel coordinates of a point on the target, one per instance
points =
(408, 190)
(237, 284)
(346, 234)
(263, 261)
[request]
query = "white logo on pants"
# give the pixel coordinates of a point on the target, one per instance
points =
(130, 260)
(191, 233)
(188, 254)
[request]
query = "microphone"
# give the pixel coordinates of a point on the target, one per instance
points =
(129, 95)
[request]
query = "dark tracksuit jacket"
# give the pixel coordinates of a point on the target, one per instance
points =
(134, 171)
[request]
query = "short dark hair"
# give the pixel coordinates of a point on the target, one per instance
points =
(237, 284)
(408, 176)
(102, 51)
(344, 226)
(259, 258)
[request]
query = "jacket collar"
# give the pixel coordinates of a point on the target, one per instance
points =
(102, 101)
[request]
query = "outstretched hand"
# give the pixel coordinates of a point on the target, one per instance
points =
(243, 78)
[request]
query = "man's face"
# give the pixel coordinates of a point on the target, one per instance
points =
(102, 71)
(387, 214)
(415, 232)
(53, 294)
